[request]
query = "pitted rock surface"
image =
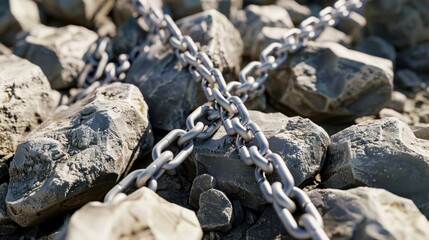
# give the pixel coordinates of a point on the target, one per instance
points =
(78, 154)
(215, 212)
(169, 89)
(57, 51)
(327, 82)
(300, 142)
(142, 215)
(26, 100)
(382, 154)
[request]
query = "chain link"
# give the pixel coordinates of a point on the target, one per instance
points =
(226, 106)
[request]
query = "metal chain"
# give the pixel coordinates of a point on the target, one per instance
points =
(226, 105)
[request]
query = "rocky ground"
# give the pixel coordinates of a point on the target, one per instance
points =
(349, 114)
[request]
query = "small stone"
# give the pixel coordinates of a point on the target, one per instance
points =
(378, 47)
(184, 8)
(397, 102)
(128, 36)
(201, 184)
(300, 142)
(57, 51)
(78, 154)
(267, 227)
(421, 130)
(387, 113)
(142, 215)
(17, 16)
(369, 213)
(327, 82)
(381, 154)
(297, 12)
(25, 102)
(215, 213)
(415, 58)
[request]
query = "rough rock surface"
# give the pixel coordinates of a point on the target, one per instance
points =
(16, 16)
(169, 89)
(215, 213)
(25, 101)
(369, 213)
(142, 215)
(184, 8)
(57, 51)
(381, 154)
(253, 18)
(326, 81)
(302, 143)
(201, 184)
(78, 154)
(260, 229)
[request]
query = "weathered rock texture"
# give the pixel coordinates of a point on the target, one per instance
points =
(215, 213)
(300, 142)
(201, 184)
(16, 16)
(169, 89)
(326, 81)
(183, 8)
(25, 101)
(78, 154)
(142, 215)
(369, 213)
(57, 51)
(381, 154)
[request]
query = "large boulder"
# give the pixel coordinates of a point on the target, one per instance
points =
(78, 154)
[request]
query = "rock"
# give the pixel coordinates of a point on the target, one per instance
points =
(78, 154)
(169, 89)
(369, 213)
(387, 113)
(4, 217)
(25, 101)
(296, 11)
(79, 12)
(397, 102)
(201, 184)
(378, 47)
(327, 82)
(260, 230)
(142, 215)
(57, 51)
(17, 16)
(408, 81)
(353, 26)
(4, 50)
(215, 213)
(4, 172)
(128, 36)
(421, 130)
(253, 18)
(404, 23)
(123, 9)
(184, 8)
(300, 142)
(259, 2)
(415, 58)
(382, 154)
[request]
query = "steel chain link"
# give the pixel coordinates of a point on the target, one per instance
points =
(226, 106)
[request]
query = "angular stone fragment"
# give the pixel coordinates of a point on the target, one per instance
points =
(201, 184)
(253, 18)
(184, 8)
(378, 47)
(25, 101)
(415, 58)
(369, 213)
(79, 12)
(57, 51)
(300, 142)
(297, 12)
(128, 36)
(142, 215)
(326, 81)
(78, 154)
(381, 154)
(17, 16)
(215, 213)
(169, 89)
(267, 227)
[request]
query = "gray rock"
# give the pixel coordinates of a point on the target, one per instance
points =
(260, 230)
(123, 9)
(408, 81)
(215, 213)
(169, 89)
(369, 213)
(387, 113)
(78, 154)
(421, 130)
(253, 18)
(17, 16)
(300, 142)
(297, 12)
(326, 81)
(381, 154)
(57, 51)
(201, 184)
(184, 8)
(397, 102)
(79, 12)
(353, 26)
(142, 215)
(415, 58)
(377, 46)
(128, 36)
(25, 101)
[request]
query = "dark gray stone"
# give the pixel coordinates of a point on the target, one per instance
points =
(369, 213)
(201, 184)
(397, 102)
(129, 35)
(78, 154)
(57, 51)
(327, 82)
(300, 142)
(408, 81)
(267, 227)
(297, 12)
(26, 100)
(381, 154)
(376, 46)
(169, 89)
(415, 58)
(184, 8)
(215, 212)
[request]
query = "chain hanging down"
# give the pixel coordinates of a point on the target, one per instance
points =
(225, 106)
